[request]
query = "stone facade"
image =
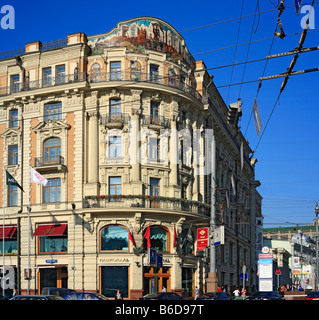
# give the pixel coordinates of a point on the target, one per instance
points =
(119, 124)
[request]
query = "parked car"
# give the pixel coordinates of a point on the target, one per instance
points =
(36, 297)
(313, 295)
(215, 296)
(56, 291)
(84, 296)
(265, 295)
(162, 296)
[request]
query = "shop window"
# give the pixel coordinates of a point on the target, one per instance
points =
(9, 234)
(114, 278)
(114, 238)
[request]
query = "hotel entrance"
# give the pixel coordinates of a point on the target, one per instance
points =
(155, 279)
(56, 277)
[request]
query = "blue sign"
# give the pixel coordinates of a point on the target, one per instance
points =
(51, 261)
(152, 257)
(159, 259)
(242, 276)
(297, 5)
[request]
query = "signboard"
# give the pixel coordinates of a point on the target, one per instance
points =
(219, 235)
(242, 276)
(202, 238)
(265, 272)
(159, 259)
(151, 258)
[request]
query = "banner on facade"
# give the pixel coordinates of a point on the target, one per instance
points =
(202, 238)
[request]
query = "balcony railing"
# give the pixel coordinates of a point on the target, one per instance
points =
(146, 202)
(156, 120)
(43, 83)
(115, 119)
(144, 77)
(48, 161)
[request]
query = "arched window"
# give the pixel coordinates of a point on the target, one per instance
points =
(114, 238)
(95, 72)
(52, 150)
(135, 71)
(187, 242)
(159, 239)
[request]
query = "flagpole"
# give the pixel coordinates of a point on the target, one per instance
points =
(29, 209)
(3, 218)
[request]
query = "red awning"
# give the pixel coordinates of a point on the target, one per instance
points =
(46, 230)
(8, 232)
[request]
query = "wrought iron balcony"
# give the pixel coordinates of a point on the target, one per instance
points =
(159, 121)
(49, 163)
(116, 120)
(43, 83)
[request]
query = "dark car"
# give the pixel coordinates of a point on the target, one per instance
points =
(215, 296)
(56, 291)
(36, 297)
(84, 296)
(162, 296)
(313, 295)
(265, 295)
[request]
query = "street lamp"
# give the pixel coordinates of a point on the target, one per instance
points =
(317, 264)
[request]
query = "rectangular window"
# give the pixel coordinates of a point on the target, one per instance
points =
(46, 77)
(153, 149)
(10, 240)
(12, 196)
(13, 118)
(154, 187)
(114, 188)
(60, 74)
(115, 147)
(15, 83)
(53, 111)
(154, 111)
(52, 191)
(13, 155)
(115, 109)
(154, 74)
(115, 70)
(54, 244)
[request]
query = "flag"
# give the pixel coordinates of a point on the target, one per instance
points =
(147, 235)
(189, 236)
(11, 181)
(37, 178)
(257, 117)
(130, 236)
(297, 5)
(175, 238)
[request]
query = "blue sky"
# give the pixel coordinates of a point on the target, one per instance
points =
(288, 154)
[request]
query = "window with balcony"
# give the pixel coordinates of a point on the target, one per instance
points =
(115, 188)
(46, 77)
(114, 238)
(171, 78)
(13, 118)
(154, 73)
(115, 110)
(135, 71)
(115, 69)
(52, 191)
(52, 151)
(13, 155)
(60, 74)
(95, 72)
(15, 83)
(115, 147)
(53, 111)
(154, 187)
(154, 112)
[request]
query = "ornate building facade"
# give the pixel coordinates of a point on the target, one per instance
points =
(120, 123)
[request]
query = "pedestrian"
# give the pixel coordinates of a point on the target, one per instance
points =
(164, 289)
(196, 293)
(236, 292)
(118, 295)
